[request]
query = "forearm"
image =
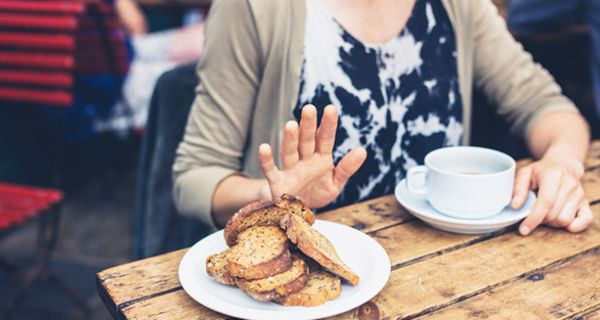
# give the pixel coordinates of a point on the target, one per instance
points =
(131, 17)
(232, 193)
(560, 135)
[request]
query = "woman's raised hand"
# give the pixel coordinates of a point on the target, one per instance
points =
(307, 168)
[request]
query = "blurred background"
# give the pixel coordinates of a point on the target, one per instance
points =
(93, 99)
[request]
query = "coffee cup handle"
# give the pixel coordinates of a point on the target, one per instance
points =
(412, 172)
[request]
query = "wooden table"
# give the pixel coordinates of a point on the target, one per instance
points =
(550, 274)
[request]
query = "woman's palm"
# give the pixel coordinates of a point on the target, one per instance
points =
(307, 168)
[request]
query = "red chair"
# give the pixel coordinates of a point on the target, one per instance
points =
(43, 44)
(18, 206)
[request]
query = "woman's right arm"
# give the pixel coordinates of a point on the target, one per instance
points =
(212, 148)
(234, 192)
(207, 180)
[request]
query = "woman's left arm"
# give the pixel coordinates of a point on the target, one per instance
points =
(560, 141)
(530, 99)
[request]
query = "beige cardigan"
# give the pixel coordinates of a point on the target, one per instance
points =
(249, 84)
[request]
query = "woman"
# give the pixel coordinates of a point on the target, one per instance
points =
(399, 74)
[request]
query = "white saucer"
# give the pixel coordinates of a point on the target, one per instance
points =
(420, 208)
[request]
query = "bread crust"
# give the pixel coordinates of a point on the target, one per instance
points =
(261, 252)
(298, 268)
(265, 213)
(313, 244)
(321, 287)
(272, 288)
(216, 268)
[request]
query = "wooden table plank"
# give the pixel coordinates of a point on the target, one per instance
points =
(557, 293)
(591, 315)
(130, 282)
(369, 215)
(592, 162)
(591, 185)
(422, 240)
(437, 282)
(174, 305)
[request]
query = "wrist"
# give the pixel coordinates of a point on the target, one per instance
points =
(264, 192)
(572, 163)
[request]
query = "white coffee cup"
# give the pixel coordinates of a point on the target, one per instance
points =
(465, 182)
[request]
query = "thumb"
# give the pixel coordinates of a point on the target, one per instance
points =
(348, 166)
(521, 187)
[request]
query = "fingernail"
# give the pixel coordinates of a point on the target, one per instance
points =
(514, 202)
(291, 124)
(524, 230)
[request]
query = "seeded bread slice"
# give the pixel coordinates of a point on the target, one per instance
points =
(271, 288)
(315, 245)
(216, 268)
(265, 213)
(261, 252)
(321, 287)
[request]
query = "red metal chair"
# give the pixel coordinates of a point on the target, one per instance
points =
(43, 44)
(18, 206)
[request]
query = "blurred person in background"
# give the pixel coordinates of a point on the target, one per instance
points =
(157, 46)
(532, 17)
(350, 94)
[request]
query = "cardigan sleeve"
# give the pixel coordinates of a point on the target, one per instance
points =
(217, 128)
(522, 89)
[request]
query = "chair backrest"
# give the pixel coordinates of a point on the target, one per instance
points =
(45, 44)
(19, 203)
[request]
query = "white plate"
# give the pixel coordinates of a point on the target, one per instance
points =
(359, 251)
(420, 208)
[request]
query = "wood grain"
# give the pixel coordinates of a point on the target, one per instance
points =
(593, 159)
(592, 315)
(142, 278)
(556, 293)
(422, 240)
(591, 185)
(174, 305)
(369, 215)
(442, 280)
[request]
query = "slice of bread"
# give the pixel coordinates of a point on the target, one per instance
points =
(265, 213)
(216, 268)
(261, 252)
(315, 245)
(271, 288)
(321, 287)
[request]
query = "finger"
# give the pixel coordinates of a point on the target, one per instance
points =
(567, 214)
(584, 218)
(549, 185)
(521, 187)
(308, 126)
(564, 195)
(267, 164)
(348, 166)
(289, 145)
(326, 131)
(570, 190)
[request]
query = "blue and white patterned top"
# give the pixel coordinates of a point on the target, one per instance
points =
(399, 99)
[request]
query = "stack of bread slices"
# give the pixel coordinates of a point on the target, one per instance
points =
(275, 255)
